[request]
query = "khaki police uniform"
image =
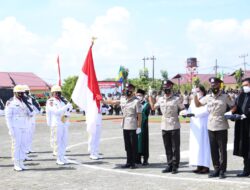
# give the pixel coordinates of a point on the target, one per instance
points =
(130, 109)
(170, 126)
(217, 127)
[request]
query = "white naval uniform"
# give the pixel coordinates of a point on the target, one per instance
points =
(58, 119)
(16, 114)
(94, 138)
(31, 127)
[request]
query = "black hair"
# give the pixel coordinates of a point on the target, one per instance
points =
(202, 89)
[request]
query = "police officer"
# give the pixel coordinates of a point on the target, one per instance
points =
(16, 113)
(131, 123)
(170, 106)
(57, 115)
(31, 120)
(217, 104)
(1, 107)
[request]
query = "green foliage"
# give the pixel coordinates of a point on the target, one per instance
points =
(144, 83)
(68, 86)
(196, 81)
(238, 76)
(164, 74)
(143, 73)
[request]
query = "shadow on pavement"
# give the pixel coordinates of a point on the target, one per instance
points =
(113, 158)
(51, 169)
(5, 157)
(6, 166)
(46, 159)
(32, 164)
(43, 152)
(77, 154)
(94, 163)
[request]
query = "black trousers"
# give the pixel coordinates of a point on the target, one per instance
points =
(130, 141)
(171, 140)
(218, 146)
(246, 162)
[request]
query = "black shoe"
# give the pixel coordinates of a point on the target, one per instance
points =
(125, 166)
(214, 174)
(167, 169)
(174, 170)
(198, 169)
(145, 163)
(243, 174)
(138, 162)
(222, 175)
(133, 167)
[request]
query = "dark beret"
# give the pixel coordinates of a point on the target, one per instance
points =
(246, 79)
(167, 84)
(129, 86)
(214, 80)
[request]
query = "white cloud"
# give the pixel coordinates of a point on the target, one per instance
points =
(21, 49)
(221, 39)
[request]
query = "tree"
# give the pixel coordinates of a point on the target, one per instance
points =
(143, 73)
(196, 81)
(238, 75)
(68, 86)
(164, 74)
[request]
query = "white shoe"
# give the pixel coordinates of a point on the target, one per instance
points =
(99, 156)
(59, 162)
(28, 158)
(93, 157)
(17, 168)
(22, 165)
(65, 160)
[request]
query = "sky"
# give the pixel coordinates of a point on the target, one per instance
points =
(34, 33)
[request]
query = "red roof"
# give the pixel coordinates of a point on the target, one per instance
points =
(10, 79)
(185, 78)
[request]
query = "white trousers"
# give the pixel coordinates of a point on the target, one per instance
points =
(61, 140)
(94, 140)
(29, 136)
(19, 143)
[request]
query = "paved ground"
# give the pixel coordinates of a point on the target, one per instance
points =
(105, 174)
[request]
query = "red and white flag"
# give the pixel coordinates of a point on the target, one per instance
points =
(87, 94)
(59, 71)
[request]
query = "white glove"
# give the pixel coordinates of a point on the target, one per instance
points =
(183, 112)
(138, 130)
(228, 113)
(69, 105)
(194, 92)
(243, 116)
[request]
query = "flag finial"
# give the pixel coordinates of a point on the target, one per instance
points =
(93, 40)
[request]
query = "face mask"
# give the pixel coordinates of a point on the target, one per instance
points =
(215, 90)
(20, 95)
(140, 98)
(27, 93)
(58, 94)
(246, 89)
(128, 93)
(167, 91)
